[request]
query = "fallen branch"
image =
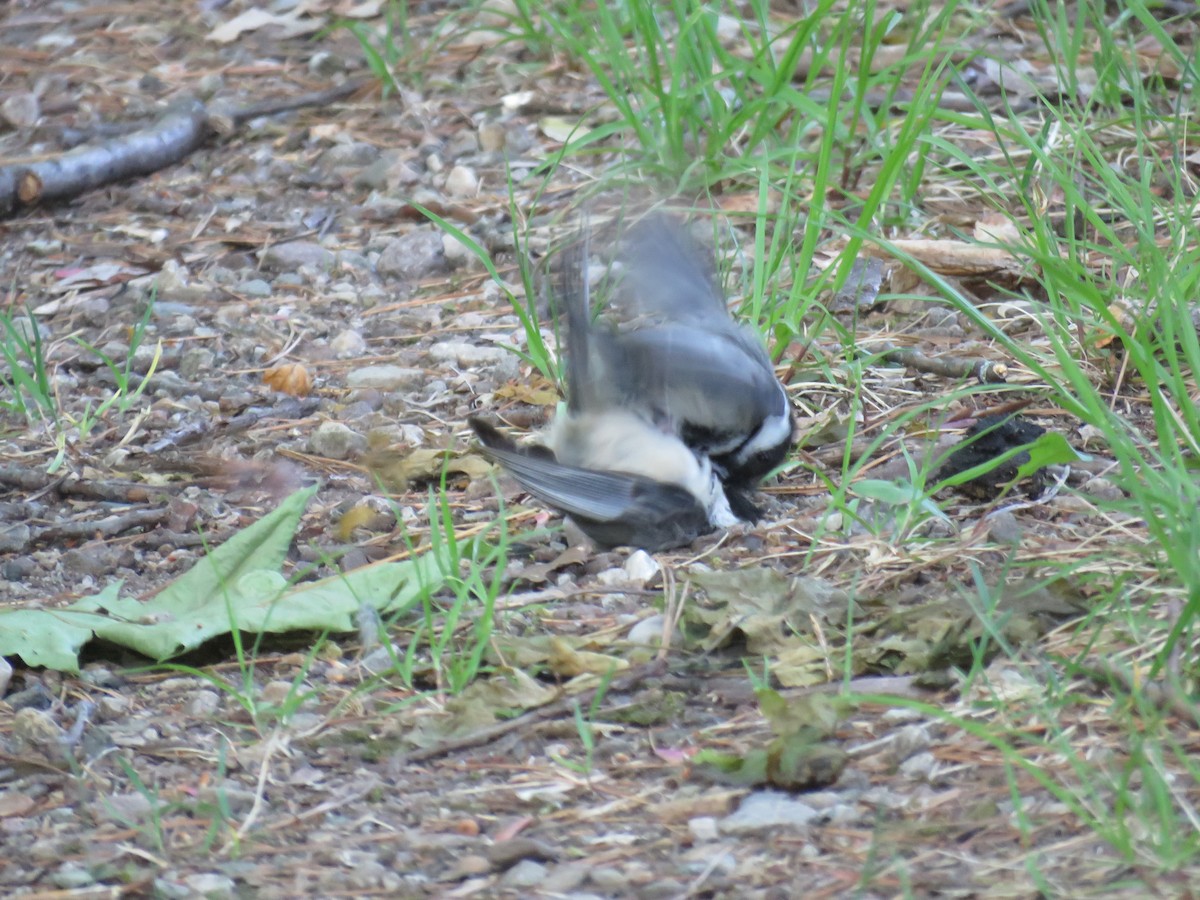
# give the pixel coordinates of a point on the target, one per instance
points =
(949, 257)
(184, 127)
(109, 526)
(33, 480)
(984, 370)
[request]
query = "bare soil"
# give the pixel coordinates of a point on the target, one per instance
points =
(295, 240)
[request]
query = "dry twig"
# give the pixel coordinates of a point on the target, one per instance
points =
(985, 371)
(177, 133)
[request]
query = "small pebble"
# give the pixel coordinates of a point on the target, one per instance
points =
(210, 885)
(71, 877)
(456, 252)
(462, 182)
(1003, 528)
(202, 704)
(524, 874)
(608, 878)
(14, 539)
(277, 692)
(648, 631)
(255, 287)
(209, 85)
(703, 829)
(380, 660)
(492, 137)
(641, 567)
(564, 878)
(919, 767)
(333, 440)
(614, 577)
(347, 344)
(466, 354)
(294, 254)
(196, 361)
(415, 255)
(21, 110)
(384, 378)
(89, 560)
(1102, 489)
(355, 154)
(472, 865)
(766, 811)
(325, 64)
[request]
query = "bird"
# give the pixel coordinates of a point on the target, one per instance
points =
(684, 362)
(671, 421)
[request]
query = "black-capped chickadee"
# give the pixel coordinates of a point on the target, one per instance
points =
(671, 420)
(683, 362)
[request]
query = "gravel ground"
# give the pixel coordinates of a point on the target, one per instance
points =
(307, 324)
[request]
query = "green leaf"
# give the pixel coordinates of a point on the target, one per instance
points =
(205, 601)
(813, 715)
(748, 770)
(238, 585)
(48, 637)
(892, 493)
(792, 762)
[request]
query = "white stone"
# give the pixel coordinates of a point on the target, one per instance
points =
(640, 567)
(462, 182)
(385, 378)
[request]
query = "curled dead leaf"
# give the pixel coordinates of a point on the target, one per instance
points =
(289, 378)
(561, 129)
(540, 393)
(950, 257)
(998, 228)
(1124, 318)
(360, 516)
(568, 662)
(397, 471)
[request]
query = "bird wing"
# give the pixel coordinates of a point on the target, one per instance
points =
(577, 303)
(668, 274)
(612, 508)
(718, 381)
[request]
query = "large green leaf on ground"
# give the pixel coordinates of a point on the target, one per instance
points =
(237, 585)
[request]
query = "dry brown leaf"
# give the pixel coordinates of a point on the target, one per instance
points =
(565, 660)
(561, 129)
(254, 19)
(1120, 310)
(535, 394)
(747, 202)
(289, 378)
(426, 464)
(716, 802)
(996, 228)
(536, 573)
(361, 516)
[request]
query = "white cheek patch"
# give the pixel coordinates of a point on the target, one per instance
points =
(771, 433)
(727, 446)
